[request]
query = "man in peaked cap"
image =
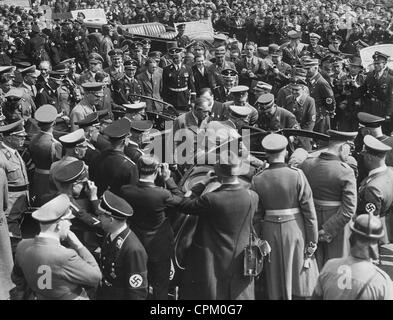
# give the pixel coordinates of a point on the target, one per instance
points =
(95, 65)
(106, 44)
(239, 96)
(14, 167)
(292, 50)
(157, 238)
(30, 75)
(229, 80)
(116, 68)
(375, 191)
(278, 72)
(123, 258)
(334, 198)
(314, 50)
(72, 179)
(135, 111)
(181, 38)
(213, 209)
(367, 281)
(377, 92)
(44, 149)
(220, 64)
(287, 281)
(112, 169)
(125, 88)
(285, 93)
(272, 117)
(72, 269)
(323, 95)
(93, 97)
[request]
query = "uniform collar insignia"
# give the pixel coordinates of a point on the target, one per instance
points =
(119, 242)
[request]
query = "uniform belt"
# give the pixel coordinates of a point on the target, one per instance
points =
(178, 89)
(42, 171)
(18, 188)
(282, 212)
(327, 203)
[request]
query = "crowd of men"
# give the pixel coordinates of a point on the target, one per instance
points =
(77, 112)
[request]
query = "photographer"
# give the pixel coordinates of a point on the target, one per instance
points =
(150, 222)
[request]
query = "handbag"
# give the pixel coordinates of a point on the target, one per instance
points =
(255, 252)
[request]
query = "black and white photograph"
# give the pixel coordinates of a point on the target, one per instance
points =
(183, 150)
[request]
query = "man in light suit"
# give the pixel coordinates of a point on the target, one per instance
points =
(151, 82)
(249, 66)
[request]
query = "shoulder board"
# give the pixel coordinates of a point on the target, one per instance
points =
(128, 159)
(6, 153)
(345, 165)
(260, 171)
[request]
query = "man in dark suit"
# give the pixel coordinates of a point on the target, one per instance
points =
(150, 222)
(151, 82)
(214, 265)
(230, 79)
(200, 74)
(216, 107)
(178, 82)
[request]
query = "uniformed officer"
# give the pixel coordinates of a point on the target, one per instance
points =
(135, 111)
(49, 269)
(178, 82)
(116, 69)
(14, 136)
(278, 72)
(375, 194)
(363, 280)
(139, 133)
(230, 79)
(74, 147)
(123, 258)
(323, 95)
(95, 65)
(215, 266)
(44, 150)
(314, 50)
(30, 75)
(106, 44)
(72, 179)
(333, 184)
(181, 38)
(93, 95)
(289, 224)
(239, 96)
(272, 117)
(112, 169)
(48, 94)
(149, 221)
(378, 91)
(259, 89)
(124, 88)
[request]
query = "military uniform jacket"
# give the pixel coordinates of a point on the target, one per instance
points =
(70, 271)
(251, 119)
(361, 271)
(303, 109)
(80, 112)
(124, 88)
(378, 94)
(115, 74)
(123, 264)
(112, 169)
(214, 262)
(281, 119)
(44, 150)
(317, 52)
(332, 180)
(376, 193)
(149, 221)
(222, 94)
(323, 95)
(86, 76)
(47, 95)
(174, 80)
(214, 73)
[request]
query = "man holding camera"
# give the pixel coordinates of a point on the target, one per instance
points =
(150, 222)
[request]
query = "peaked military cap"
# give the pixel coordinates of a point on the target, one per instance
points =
(6, 69)
(15, 93)
(89, 120)
(239, 89)
(239, 111)
(46, 114)
(68, 61)
(134, 106)
(374, 146)
(115, 53)
(370, 120)
(15, 128)
(95, 57)
(130, 64)
(229, 72)
(73, 139)
(315, 35)
(92, 86)
(379, 55)
(115, 206)
(30, 70)
(297, 82)
(119, 129)
(74, 171)
(260, 85)
(310, 63)
(54, 209)
(155, 54)
(266, 99)
(274, 143)
(141, 125)
(335, 135)
(62, 68)
(294, 34)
